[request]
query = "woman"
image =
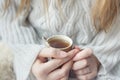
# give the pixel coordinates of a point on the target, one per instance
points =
(92, 24)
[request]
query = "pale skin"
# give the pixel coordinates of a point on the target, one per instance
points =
(49, 70)
(85, 64)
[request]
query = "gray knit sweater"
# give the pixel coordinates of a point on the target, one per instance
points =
(23, 34)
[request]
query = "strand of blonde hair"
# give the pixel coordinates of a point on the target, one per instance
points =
(104, 13)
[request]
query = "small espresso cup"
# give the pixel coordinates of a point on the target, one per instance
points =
(61, 42)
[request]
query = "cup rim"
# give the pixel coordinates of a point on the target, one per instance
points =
(64, 37)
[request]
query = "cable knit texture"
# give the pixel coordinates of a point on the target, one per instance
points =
(24, 33)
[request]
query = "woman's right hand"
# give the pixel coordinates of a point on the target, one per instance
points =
(49, 70)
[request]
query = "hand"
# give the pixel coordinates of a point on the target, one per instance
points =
(49, 70)
(86, 65)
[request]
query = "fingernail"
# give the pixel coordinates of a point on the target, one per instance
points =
(63, 54)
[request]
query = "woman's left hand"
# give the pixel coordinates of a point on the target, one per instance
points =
(85, 65)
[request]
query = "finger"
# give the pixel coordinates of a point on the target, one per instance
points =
(66, 68)
(55, 63)
(52, 53)
(83, 71)
(80, 64)
(61, 74)
(83, 54)
(77, 47)
(88, 76)
(55, 75)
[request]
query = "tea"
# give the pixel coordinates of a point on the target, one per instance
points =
(57, 43)
(61, 42)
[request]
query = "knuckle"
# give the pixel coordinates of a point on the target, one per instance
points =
(82, 71)
(90, 51)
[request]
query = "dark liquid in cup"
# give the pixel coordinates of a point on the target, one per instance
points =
(57, 43)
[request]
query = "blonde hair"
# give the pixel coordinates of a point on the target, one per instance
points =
(103, 12)
(23, 4)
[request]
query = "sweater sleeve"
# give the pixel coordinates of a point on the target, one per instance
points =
(24, 56)
(21, 37)
(106, 48)
(105, 45)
